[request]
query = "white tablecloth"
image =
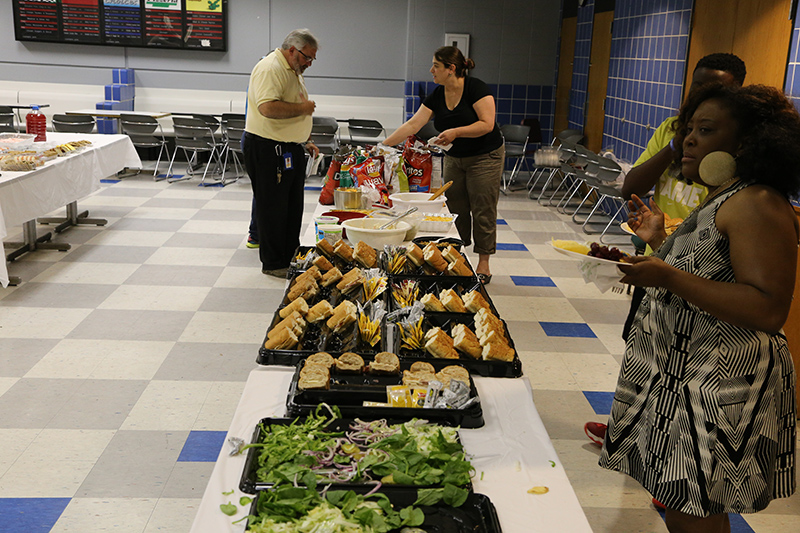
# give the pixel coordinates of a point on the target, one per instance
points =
(512, 452)
(27, 195)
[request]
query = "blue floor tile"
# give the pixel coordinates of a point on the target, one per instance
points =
(202, 446)
(109, 181)
(501, 222)
(600, 401)
(211, 184)
(532, 281)
(30, 515)
(512, 247)
(567, 329)
(313, 188)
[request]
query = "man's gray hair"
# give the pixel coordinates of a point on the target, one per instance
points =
(300, 39)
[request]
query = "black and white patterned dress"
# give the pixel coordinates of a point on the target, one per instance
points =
(704, 412)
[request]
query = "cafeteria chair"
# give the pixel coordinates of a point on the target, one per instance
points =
(365, 130)
(608, 192)
(146, 132)
(515, 137)
(572, 137)
(427, 132)
(232, 131)
(7, 119)
(195, 136)
(325, 134)
(73, 123)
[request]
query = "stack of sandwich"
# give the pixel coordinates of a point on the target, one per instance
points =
(447, 261)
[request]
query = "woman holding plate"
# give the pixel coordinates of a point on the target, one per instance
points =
(704, 411)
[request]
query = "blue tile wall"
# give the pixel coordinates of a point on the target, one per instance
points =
(513, 103)
(649, 46)
(580, 67)
(792, 87)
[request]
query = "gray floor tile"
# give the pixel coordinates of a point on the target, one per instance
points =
(110, 254)
(601, 311)
(222, 214)
(511, 214)
(242, 300)
(208, 362)
(17, 356)
(119, 189)
(188, 480)
(172, 275)
(200, 240)
(193, 203)
(542, 237)
(27, 270)
(135, 464)
(558, 268)
(81, 295)
(148, 224)
(244, 193)
(574, 345)
(132, 325)
(612, 520)
(33, 402)
(74, 235)
(98, 404)
(503, 286)
(245, 258)
(564, 413)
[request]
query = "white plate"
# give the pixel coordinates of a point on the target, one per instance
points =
(626, 228)
(582, 257)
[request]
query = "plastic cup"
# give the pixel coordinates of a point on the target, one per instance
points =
(332, 232)
(322, 221)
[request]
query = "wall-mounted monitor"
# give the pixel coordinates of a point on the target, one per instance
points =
(179, 24)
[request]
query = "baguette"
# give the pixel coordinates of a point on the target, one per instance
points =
(365, 255)
(484, 319)
(498, 352)
(432, 303)
(422, 366)
(325, 247)
(343, 315)
(322, 263)
(284, 340)
(292, 321)
(417, 379)
(321, 311)
(349, 281)
(451, 254)
(350, 362)
(314, 377)
(452, 301)
(311, 273)
(304, 288)
(414, 253)
(298, 304)
(464, 340)
(453, 372)
(320, 359)
(385, 363)
(440, 346)
(474, 302)
(459, 268)
(344, 251)
(434, 258)
(331, 276)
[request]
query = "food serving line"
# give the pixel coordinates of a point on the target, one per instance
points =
(24, 196)
(511, 453)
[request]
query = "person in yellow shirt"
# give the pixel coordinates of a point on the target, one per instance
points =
(278, 122)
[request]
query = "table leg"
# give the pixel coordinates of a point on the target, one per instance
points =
(73, 218)
(31, 242)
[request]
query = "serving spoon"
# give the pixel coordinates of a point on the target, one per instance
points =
(441, 190)
(395, 219)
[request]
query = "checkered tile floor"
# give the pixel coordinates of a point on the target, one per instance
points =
(122, 360)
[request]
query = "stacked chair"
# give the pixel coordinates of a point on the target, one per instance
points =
(232, 131)
(145, 132)
(196, 135)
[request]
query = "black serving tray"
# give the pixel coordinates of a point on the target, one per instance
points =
(494, 369)
(435, 286)
(349, 391)
(251, 485)
(476, 515)
(441, 242)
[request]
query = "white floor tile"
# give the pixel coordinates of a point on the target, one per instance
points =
(547, 371)
(219, 406)
(245, 278)
(172, 213)
(112, 201)
(190, 256)
(247, 328)
(172, 514)
(123, 515)
(83, 272)
(214, 227)
(168, 405)
(592, 372)
(130, 238)
(156, 298)
(13, 443)
(229, 205)
(39, 322)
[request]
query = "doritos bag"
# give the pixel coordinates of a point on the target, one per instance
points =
(417, 166)
(331, 182)
(369, 173)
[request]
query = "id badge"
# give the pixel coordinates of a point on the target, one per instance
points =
(287, 161)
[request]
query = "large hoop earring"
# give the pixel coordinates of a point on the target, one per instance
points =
(717, 168)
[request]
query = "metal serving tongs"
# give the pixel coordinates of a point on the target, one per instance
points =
(395, 219)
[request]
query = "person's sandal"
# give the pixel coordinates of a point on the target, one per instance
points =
(485, 279)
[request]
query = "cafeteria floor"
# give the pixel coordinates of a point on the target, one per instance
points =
(123, 359)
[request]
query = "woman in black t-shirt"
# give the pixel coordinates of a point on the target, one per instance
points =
(463, 110)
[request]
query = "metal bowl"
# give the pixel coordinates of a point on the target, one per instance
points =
(347, 198)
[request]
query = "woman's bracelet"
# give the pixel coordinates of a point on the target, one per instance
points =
(672, 145)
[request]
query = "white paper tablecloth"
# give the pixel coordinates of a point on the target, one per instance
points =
(27, 195)
(512, 451)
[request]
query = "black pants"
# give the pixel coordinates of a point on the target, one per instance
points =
(279, 205)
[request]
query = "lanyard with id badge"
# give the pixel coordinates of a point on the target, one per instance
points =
(284, 161)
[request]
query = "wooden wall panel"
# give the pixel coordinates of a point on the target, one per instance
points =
(598, 80)
(566, 55)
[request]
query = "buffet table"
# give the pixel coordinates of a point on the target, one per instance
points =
(59, 183)
(511, 454)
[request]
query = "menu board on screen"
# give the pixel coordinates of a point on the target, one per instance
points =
(180, 24)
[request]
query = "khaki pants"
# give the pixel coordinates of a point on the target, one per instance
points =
(473, 196)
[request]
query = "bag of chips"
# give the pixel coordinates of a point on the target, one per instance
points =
(368, 174)
(417, 165)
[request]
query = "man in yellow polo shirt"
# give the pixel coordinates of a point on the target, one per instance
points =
(278, 123)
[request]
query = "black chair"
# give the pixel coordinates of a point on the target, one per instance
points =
(427, 131)
(196, 136)
(515, 137)
(7, 120)
(365, 130)
(73, 123)
(145, 132)
(232, 131)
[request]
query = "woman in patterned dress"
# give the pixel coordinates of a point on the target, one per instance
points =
(704, 411)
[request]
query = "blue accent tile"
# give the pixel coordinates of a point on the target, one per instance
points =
(518, 106)
(600, 401)
(532, 281)
(501, 222)
(109, 181)
(313, 188)
(505, 90)
(204, 185)
(567, 329)
(519, 91)
(202, 446)
(409, 88)
(510, 246)
(503, 118)
(534, 92)
(30, 515)
(503, 106)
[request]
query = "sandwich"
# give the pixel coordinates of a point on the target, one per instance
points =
(440, 345)
(365, 255)
(314, 377)
(465, 341)
(498, 352)
(459, 268)
(293, 321)
(434, 258)
(298, 304)
(451, 254)
(344, 314)
(414, 253)
(451, 301)
(351, 280)
(422, 366)
(453, 372)
(284, 339)
(331, 276)
(432, 303)
(322, 263)
(350, 362)
(474, 302)
(321, 311)
(385, 363)
(417, 379)
(325, 247)
(320, 359)
(343, 250)
(306, 288)
(485, 321)
(311, 273)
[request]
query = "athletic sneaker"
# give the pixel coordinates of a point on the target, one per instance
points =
(596, 432)
(658, 505)
(251, 242)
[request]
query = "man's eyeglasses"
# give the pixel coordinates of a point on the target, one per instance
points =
(308, 58)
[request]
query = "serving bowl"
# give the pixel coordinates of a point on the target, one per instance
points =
(401, 201)
(366, 229)
(347, 198)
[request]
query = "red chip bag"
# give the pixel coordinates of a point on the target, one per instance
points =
(369, 173)
(418, 166)
(331, 182)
